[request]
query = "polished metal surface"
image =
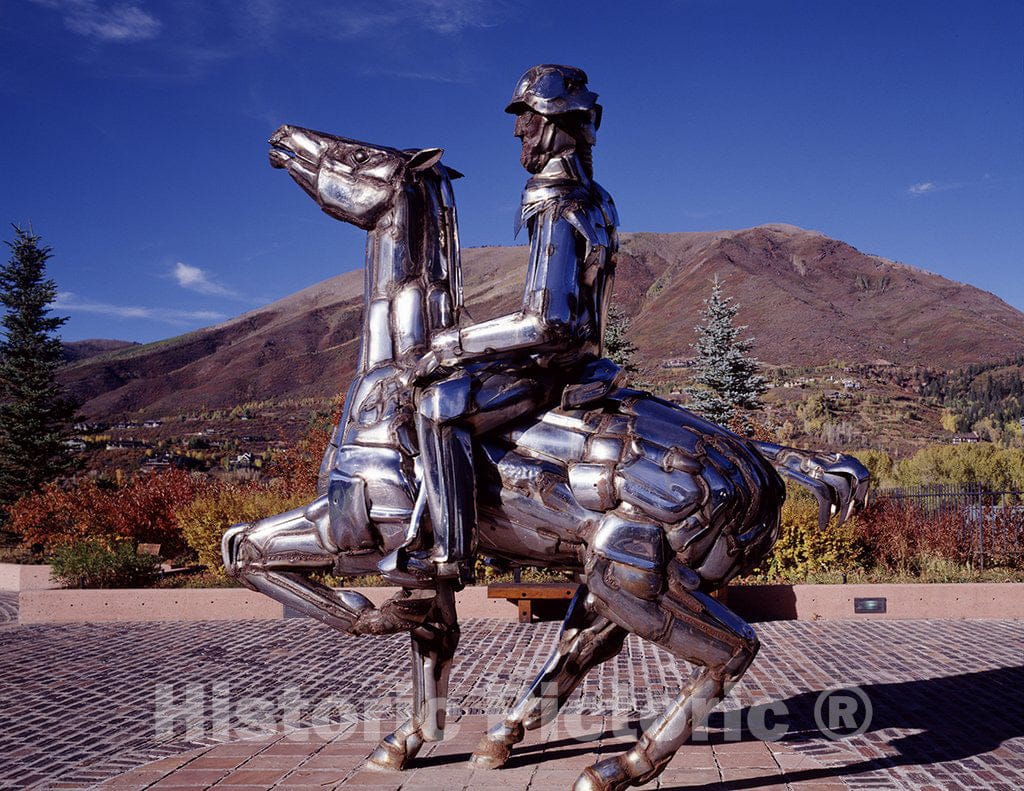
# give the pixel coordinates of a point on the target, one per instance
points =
(513, 438)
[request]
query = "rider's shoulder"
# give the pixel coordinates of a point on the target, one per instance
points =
(590, 212)
(607, 204)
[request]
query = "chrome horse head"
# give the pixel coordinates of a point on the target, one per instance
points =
(352, 181)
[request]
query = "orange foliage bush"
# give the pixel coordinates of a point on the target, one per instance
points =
(297, 467)
(142, 510)
(899, 536)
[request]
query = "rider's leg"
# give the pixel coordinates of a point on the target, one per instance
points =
(450, 413)
(446, 452)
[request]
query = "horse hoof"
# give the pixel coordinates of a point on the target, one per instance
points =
(607, 775)
(490, 754)
(387, 757)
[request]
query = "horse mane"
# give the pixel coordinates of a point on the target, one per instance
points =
(434, 231)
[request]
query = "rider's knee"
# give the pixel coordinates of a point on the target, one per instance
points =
(446, 400)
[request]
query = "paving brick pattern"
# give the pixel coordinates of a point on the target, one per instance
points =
(546, 761)
(84, 703)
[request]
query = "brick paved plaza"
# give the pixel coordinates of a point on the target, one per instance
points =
(292, 704)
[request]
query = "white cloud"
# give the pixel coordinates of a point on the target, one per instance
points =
(418, 74)
(72, 303)
(447, 17)
(922, 188)
(117, 23)
(195, 279)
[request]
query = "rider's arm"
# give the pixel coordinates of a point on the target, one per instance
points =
(553, 306)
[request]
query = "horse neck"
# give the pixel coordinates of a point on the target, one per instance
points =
(412, 253)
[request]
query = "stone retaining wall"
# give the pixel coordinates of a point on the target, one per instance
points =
(753, 602)
(22, 577)
(954, 601)
(202, 604)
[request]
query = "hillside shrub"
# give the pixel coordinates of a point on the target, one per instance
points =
(879, 464)
(204, 519)
(297, 468)
(981, 463)
(96, 564)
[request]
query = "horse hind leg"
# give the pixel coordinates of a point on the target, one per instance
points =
(587, 639)
(692, 626)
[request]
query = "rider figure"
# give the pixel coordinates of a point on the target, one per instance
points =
(499, 370)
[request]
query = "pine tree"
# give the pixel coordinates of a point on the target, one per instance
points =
(617, 346)
(727, 379)
(35, 415)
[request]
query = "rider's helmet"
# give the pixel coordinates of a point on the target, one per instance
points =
(553, 90)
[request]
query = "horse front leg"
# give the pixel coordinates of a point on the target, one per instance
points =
(433, 646)
(274, 556)
(586, 640)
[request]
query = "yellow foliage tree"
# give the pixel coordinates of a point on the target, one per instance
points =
(803, 549)
(204, 520)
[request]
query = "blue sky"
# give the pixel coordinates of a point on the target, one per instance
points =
(134, 134)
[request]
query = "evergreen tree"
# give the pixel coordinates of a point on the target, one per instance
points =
(617, 345)
(34, 413)
(726, 379)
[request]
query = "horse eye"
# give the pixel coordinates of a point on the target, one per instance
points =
(360, 155)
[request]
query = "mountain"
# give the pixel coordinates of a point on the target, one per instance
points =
(806, 299)
(75, 351)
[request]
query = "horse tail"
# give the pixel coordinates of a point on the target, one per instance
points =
(837, 481)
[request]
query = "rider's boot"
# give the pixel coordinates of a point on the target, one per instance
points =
(410, 570)
(450, 480)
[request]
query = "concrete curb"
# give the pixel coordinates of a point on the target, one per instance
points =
(953, 601)
(23, 577)
(202, 604)
(753, 602)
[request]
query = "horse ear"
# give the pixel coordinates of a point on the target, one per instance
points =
(425, 158)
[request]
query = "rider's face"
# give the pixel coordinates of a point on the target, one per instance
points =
(529, 129)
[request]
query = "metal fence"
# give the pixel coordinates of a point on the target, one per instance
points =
(992, 520)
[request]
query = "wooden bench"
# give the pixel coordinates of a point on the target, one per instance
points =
(546, 600)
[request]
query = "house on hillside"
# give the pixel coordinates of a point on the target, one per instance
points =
(966, 439)
(126, 444)
(245, 460)
(164, 459)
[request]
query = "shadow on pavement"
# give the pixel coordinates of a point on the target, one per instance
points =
(952, 718)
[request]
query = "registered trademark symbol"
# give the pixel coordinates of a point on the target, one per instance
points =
(843, 712)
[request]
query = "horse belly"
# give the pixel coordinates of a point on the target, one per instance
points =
(528, 513)
(571, 473)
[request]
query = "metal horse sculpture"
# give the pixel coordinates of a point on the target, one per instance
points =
(653, 507)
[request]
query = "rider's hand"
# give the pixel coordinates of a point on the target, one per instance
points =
(447, 345)
(423, 368)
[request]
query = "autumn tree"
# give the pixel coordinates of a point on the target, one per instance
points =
(727, 379)
(35, 414)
